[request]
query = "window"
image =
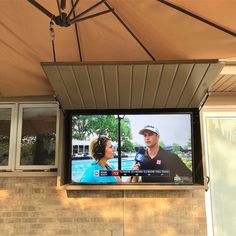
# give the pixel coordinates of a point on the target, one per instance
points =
(81, 149)
(86, 149)
(75, 149)
(220, 149)
(35, 145)
(7, 122)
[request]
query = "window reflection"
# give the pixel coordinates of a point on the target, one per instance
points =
(5, 127)
(38, 136)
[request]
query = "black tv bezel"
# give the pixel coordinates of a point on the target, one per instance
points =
(197, 163)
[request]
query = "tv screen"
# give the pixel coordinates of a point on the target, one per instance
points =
(132, 147)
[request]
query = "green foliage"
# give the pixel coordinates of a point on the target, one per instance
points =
(125, 129)
(176, 148)
(186, 158)
(162, 144)
(188, 163)
(85, 125)
(127, 146)
(189, 145)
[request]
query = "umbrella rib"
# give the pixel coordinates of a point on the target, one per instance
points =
(129, 30)
(59, 9)
(76, 30)
(87, 10)
(73, 8)
(197, 17)
(42, 9)
(63, 4)
(90, 16)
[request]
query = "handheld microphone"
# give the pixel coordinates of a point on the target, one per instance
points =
(139, 157)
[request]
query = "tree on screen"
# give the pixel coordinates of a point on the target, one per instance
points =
(84, 126)
(188, 146)
(162, 144)
(176, 148)
(127, 146)
(81, 127)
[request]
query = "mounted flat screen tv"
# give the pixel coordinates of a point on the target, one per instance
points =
(150, 147)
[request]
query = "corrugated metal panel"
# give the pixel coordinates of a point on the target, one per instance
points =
(96, 79)
(192, 84)
(124, 85)
(182, 76)
(139, 77)
(152, 83)
(84, 83)
(167, 78)
(207, 80)
(111, 83)
(132, 85)
(59, 86)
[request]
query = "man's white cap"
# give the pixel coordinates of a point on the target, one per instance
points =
(151, 128)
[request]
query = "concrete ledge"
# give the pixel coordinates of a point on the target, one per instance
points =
(132, 186)
(26, 173)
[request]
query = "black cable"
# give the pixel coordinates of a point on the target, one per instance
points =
(52, 34)
(54, 53)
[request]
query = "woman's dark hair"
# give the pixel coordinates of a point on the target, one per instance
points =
(97, 147)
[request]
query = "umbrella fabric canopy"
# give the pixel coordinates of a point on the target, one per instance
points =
(161, 33)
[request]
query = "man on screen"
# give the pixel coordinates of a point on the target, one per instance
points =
(169, 167)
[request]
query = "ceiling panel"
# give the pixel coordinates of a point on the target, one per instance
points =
(84, 83)
(139, 77)
(152, 83)
(224, 83)
(167, 78)
(59, 86)
(124, 85)
(111, 83)
(182, 76)
(208, 78)
(98, 85)
(191, 85)
(132, 85)
(70, 85)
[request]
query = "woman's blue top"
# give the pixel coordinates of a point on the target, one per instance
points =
(91, 175)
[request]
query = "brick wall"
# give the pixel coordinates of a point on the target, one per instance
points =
(33, 206)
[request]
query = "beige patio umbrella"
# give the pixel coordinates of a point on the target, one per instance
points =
(133, 30)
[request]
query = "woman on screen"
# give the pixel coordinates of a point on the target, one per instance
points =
(102, 150)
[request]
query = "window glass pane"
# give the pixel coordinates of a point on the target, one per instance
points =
(81, 149)
(221, 141)
(5, 127)
(86, 149)
(75, 149)
(38, 136)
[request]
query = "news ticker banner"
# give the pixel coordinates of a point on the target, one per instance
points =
(159, 173)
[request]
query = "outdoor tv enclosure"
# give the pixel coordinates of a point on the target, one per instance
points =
(178, 130)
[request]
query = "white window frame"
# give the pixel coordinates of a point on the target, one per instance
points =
(21, 107)
(214, 112)
(12, 141)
